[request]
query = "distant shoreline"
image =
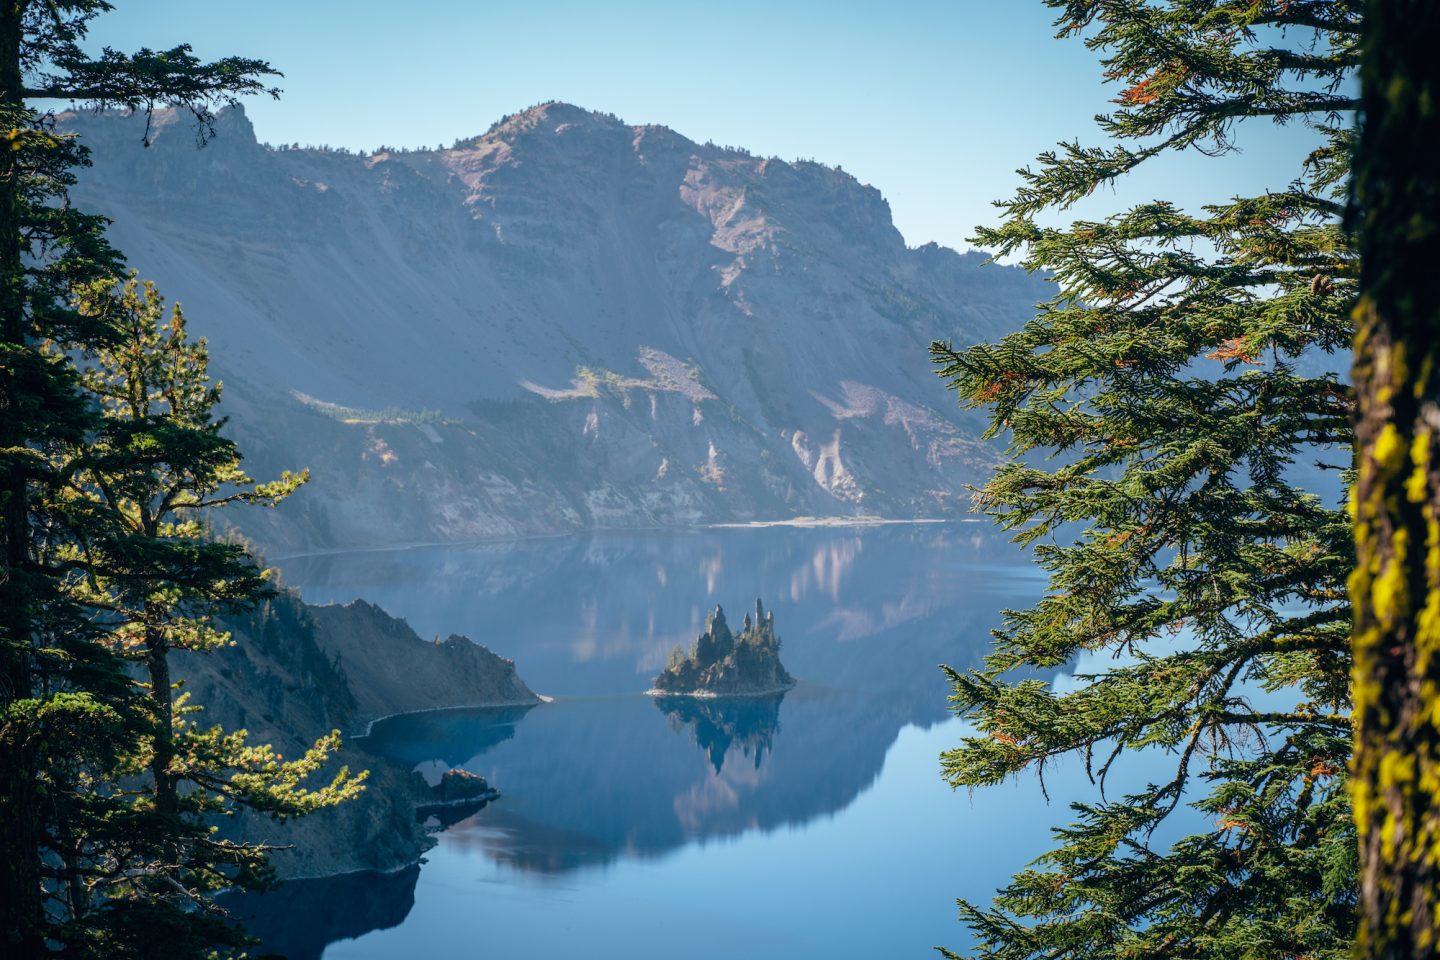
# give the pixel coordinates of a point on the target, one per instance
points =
(711, 695)
(831, 522)
(796, 522)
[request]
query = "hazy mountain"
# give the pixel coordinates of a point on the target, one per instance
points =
(566, 322)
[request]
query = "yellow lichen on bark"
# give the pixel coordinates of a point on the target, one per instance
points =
(1395, 588)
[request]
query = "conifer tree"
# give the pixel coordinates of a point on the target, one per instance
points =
(137, 495)
(1165, 410)
(56, 687)
(1396, 585)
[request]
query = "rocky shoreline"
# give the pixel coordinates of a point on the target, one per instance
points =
(297, 672)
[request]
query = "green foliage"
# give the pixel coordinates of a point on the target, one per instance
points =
(69, 713)
(1164, 410)
(136, 493)
(387, 415)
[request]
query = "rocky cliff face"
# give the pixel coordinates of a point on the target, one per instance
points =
(297, 672)
(566, 322)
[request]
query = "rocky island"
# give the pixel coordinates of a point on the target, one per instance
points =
(720, 664)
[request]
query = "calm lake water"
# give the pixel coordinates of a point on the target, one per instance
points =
(813, 825)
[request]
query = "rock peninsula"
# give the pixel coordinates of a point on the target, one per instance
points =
(298, 671)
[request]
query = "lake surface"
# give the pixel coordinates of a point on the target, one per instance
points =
(815, 824)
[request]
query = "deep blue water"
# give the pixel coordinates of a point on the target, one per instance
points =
(812, 825)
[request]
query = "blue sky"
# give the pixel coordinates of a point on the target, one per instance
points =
(935, 102)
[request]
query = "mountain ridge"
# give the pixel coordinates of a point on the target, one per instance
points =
(573, 322)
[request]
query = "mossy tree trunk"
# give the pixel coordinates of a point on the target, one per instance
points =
(1396, 585)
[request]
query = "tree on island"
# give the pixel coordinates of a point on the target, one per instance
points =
(722, 664)
(1182, 377)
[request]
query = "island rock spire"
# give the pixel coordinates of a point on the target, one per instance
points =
(721, 664)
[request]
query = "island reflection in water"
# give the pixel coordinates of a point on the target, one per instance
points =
(606, 776)
(747, 724)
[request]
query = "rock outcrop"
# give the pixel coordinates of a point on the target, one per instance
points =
(461, 786)
(722, 664)
(568, 322)
(458, 795)
(295, 673)
(389, 669)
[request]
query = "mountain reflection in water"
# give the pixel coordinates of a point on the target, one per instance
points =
(587, 781)
(605, 774)
(311, 914)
